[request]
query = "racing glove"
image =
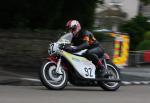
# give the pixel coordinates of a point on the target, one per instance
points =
(70, 49)
(77, 48)
(82, 46)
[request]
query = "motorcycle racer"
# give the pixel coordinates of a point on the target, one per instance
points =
(84, 39)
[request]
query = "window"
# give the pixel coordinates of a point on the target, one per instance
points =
(115, 1)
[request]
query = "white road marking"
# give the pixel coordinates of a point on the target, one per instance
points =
(123, 82)
(31, 79)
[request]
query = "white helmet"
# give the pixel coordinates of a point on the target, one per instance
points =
(74, 26)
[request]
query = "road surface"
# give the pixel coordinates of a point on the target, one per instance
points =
(71, 94)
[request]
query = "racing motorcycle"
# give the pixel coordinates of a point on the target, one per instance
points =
(61, 67)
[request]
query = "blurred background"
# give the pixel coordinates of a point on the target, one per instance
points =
(28, 26)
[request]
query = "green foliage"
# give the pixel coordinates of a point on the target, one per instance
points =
(51, 14)
(144, 45)
(136, 29)
(147, 35)
(82, 10)
(145, 1)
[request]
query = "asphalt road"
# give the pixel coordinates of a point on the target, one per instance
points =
(129, 76)
(71, 94)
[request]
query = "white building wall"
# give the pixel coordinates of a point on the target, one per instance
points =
(146, 11)
(131, 7)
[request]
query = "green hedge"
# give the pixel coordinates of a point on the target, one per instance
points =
(144, 45)
(147, 35)
(136, 28)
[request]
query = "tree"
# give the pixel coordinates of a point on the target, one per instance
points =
(82, 10)
(145, 44)
(145, 1)
(50, 14)
(136, 29)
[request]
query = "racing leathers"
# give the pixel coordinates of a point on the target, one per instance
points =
(86, 40)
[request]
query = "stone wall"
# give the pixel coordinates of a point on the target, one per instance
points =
(20, 50)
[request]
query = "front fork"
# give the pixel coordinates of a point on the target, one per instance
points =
(59, 67)
(105, 64)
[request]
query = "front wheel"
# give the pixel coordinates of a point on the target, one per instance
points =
(50, 78)
(115, 74)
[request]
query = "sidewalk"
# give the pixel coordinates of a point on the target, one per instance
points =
(129, 76)
(10, 78)
(135, 75)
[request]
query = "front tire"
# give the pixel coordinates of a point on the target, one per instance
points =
(111, 86)
(50, 78)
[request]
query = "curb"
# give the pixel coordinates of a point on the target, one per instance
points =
(135, 83)
(123, 83)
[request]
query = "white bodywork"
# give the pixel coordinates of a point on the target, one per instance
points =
(82, 65)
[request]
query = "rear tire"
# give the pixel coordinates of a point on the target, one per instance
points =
(111, 86)
(50, 79)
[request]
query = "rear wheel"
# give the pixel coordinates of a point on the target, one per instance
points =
(51, 79)
(115, 74)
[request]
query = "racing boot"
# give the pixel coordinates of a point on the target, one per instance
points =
(104, 73)
(101, 72)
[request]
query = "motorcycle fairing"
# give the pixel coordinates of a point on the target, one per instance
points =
(82, 65)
